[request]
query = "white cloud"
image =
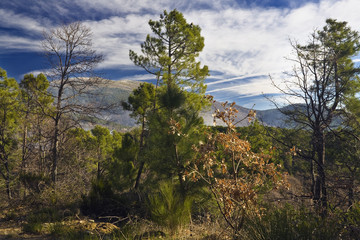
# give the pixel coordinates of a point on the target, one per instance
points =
(247, 42)
(140, 77)
(238, 42)
(121, 6)
(262, 83)
(9, 19)
(154, 6)
(15, 43)
(36, 72)
(115, 36)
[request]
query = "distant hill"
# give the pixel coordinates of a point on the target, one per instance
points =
(209, 119)
(271, 117)
(109, 93)
(114, 92)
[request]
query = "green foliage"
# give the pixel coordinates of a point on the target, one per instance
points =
(324, 78)
(274, 225)
(9, 122)
(172, 135)
(35, 182)
(342, 43)
(9, 114)
(204, 206)
(234, 166)
(172, 98)
(32, 227)
(171, 52)
(34, 93)
(103, 147)
(102, 136)
(107, 194)
(174, 128)
(290, 223)
(100, 198)
(35, 220)
(81, 138)
(353, 215)
(141, 100)
(344, 165)
(45, 214)
(92, 153)
(257, 135)
(262, 141)
(168, 207)
(122, 168)
(174, 124)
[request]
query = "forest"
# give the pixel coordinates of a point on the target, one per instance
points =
(172, 176)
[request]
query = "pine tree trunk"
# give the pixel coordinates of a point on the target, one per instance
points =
(320, 191)
(55, 151)
(7, 177)
(8, 190)
(23, 159)
(351, 190)
(142, 163)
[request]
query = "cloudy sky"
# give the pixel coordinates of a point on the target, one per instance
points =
(245, 40)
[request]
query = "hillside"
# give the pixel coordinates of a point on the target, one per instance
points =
(271, 117)
(112, 93)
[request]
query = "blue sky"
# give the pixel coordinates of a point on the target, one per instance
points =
(245, 40)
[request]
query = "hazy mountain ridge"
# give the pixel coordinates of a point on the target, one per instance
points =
(270, 117)
(112, 93)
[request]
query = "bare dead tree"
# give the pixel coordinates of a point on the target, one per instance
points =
(320, 82)
(72, 61)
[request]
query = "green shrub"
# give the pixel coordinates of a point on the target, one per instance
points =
(352, 223)
(35, 220)
(288, 223)
(168, 207)
(35, 182)
(32, 227)
(11, 215)
(204, 206)
(47, 214)
(99, 199)
(273, 225)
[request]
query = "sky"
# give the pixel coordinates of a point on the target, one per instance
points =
(246, 41)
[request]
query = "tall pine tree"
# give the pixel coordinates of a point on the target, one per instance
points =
(170, 55)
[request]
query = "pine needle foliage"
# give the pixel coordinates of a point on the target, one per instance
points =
(168, 207)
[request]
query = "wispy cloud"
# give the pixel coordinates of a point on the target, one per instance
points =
(239, 42)
(262, 83)
(37, 72)
(16, 43)
(116, 35)
(231, 79)
(139, 77)
(10, 19)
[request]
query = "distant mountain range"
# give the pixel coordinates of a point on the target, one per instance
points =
(114, 92)
(270, 117)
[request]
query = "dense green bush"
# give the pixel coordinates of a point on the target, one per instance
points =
(32, 227)
(100, 198)
(282, 223)
(168, 207)
(34, 220)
